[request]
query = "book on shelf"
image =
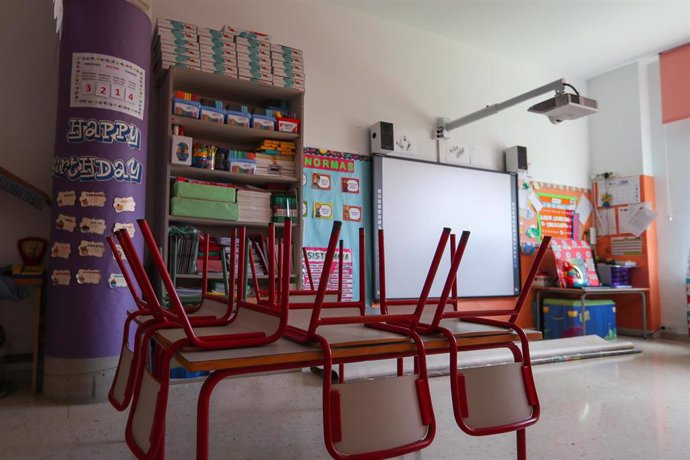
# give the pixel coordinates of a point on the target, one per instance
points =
(254, 204)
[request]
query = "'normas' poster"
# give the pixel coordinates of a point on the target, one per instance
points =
(337, 186)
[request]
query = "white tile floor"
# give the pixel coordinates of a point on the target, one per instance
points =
(630, 407)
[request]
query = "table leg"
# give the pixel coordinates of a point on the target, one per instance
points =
(584, 317)
(537, 320)
(644, 314)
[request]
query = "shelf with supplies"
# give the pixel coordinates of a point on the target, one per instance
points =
(220, 132)
(259, 197)
(228, 176)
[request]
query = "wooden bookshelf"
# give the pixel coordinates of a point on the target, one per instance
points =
(161, 172)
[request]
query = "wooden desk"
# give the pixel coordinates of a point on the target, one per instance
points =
(583, 293)
(37, 286)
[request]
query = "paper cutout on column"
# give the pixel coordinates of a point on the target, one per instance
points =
(127, 226)
(91, 248)
(116, 280)
(66, 198)
(92, 199)
(124, 204)
(120, 251)
(88, 276)
(89, 225)
(60, 250)
(67, 223)
(61, 277)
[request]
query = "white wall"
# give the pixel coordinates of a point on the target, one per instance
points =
(28, 92)
(361, 69)
(615, 136)
(627, 137)
(672, 181)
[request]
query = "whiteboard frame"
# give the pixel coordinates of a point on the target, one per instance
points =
(377, 202)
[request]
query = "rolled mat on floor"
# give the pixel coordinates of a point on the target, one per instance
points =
(541, 352)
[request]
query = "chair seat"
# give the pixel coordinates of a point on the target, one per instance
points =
(377, 415)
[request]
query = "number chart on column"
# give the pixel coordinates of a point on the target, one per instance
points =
(106, 82)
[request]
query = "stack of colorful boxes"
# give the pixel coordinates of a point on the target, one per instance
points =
(175, 43)
(208, 200)
(253, 56)
(217, 49)
(236, 53)
(275, 158)
(288, 67)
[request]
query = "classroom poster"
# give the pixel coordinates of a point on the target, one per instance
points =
(559, 211)
(336, 186)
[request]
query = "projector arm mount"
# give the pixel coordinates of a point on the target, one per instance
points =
(445, 126)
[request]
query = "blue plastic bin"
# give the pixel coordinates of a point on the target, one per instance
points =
(563, 318)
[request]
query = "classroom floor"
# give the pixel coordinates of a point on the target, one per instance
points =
(629, 407)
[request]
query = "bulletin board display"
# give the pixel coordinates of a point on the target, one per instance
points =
(558, 211)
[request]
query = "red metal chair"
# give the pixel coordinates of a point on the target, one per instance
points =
(120, 393)
(253, 324)
(354, 412)
(492, 399)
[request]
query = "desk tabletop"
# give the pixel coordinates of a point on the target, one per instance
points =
(592, 290)
(284, 351)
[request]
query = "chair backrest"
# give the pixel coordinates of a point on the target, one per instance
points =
(225, 340)
(424, 299)
(512, 312)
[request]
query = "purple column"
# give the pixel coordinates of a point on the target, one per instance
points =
(98, 185)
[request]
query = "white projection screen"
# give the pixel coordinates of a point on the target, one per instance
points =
(414, 201)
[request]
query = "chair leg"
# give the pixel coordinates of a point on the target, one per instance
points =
(521, 444)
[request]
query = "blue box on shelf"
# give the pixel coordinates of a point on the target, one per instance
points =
(563, 318)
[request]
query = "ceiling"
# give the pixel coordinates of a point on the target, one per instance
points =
(581, 38)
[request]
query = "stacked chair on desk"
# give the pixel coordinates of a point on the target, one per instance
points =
(212, 309)
(490, 399)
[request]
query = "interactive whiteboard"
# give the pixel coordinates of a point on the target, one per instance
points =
(414, 201)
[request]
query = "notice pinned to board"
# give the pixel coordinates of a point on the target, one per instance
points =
(606, 222)
(583, 209)
(638, 221)
(617, 191)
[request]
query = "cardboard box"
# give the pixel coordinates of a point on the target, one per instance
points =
(167, 34)
(288, 82)
(185, 108)
(220, 72)
(263, 122)
(222, 60)
(221, 50)
(165, 65)
(563, 318)
(255, 80)
(212, 115)
(254, 44)
(287, 65)
(252, 59)
(175, 25)
(216, 42)
(294, 74)
(179, 50)
(286, 58)
(203, 209)
(243, 72)
(286, 50)
(253, 35)
(216, 34)
(242, 119)
(202, 190)
(172, 41)
(222, 67)
(170, 57)
(181, 150)
(253, 52)
(254, 66)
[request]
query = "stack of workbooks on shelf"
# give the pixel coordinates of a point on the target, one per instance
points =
(275, 158)
(183, 246)
(254, 204)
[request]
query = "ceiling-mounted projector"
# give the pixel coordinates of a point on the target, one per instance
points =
(565, 106)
